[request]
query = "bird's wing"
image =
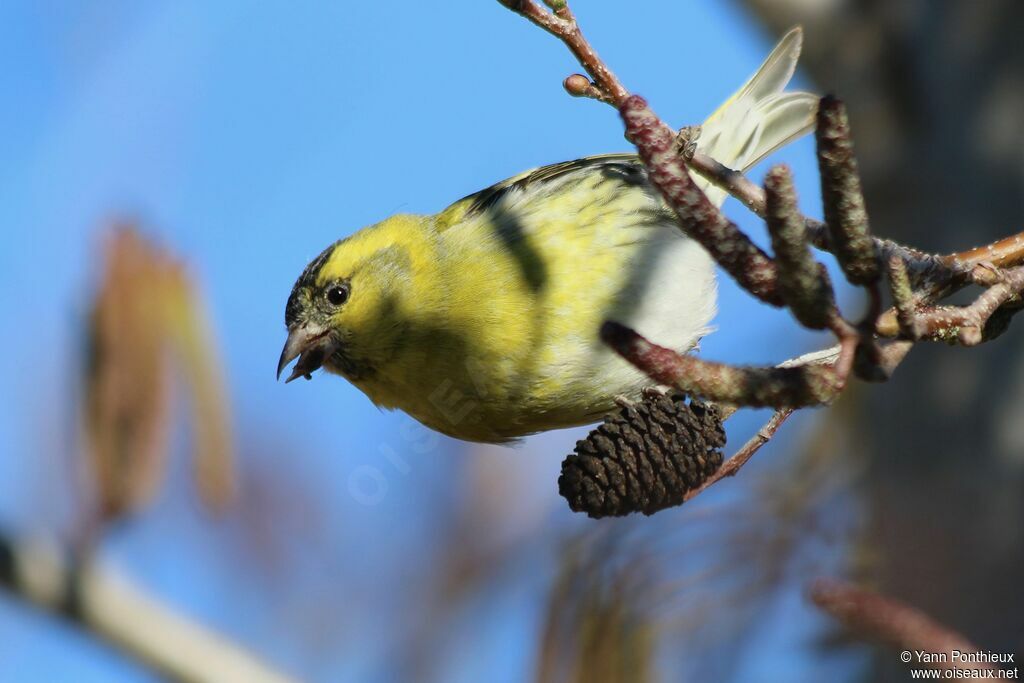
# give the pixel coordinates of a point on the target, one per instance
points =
(621, 168)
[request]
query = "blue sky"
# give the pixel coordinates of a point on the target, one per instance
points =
(246, 137)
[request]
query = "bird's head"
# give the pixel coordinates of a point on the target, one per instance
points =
(346, 310)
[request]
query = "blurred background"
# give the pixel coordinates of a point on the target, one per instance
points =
(141, 419)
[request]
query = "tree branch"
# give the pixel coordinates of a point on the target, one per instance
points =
(699, 218)
(738, 459)
(112, 608)
(791, 278)
(561, 23)
(893, 623)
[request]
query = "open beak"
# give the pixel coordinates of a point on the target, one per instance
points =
(310, 344)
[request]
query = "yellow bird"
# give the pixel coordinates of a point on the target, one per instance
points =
(482, 321)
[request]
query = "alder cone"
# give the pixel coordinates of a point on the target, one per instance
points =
(644, 457)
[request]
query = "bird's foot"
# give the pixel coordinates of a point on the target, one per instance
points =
(686, 141)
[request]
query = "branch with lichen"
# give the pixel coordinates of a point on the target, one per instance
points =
(870, 348)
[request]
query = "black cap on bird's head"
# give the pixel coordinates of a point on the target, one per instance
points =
(307, 315)
(345, 311)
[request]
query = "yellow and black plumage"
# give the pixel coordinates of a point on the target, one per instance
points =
(482, 321)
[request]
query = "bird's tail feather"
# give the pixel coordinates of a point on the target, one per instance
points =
(759, 118)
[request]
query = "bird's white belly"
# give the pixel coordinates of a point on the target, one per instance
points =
(666, 293)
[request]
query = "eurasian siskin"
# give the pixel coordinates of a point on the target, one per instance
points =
(482, 321)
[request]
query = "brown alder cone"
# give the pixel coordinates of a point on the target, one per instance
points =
(644, 457)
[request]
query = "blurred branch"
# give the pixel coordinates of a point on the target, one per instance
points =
(893, 623)
(144, 317)
(115, 610)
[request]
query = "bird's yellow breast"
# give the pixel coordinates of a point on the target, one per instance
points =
(506, 343)
(482, 321)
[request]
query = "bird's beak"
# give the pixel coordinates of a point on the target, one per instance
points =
(310, 344)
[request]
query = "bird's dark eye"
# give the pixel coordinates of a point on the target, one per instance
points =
(337, 294)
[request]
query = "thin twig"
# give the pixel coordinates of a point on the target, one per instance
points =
(562, 24)
(1003, 253)
(916, 318)
(967, 322)
(737, 460)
